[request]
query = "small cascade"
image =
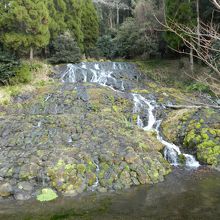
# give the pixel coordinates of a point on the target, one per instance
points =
(94, 186)
(104, 74)
(191, 161)
(171, 151)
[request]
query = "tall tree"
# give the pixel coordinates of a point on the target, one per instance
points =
(90, 25)
(57, 10)
(24, 24)
(73, 19)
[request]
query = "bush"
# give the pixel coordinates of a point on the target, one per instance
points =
(65, 50)
(132, 40)
(105, 46)
(23, 75)
(200, 87)
(8, 66)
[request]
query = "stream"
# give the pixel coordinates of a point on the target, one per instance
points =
(184, 195)
(106, 74)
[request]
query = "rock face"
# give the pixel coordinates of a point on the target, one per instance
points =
(198, 131)
(74, 138)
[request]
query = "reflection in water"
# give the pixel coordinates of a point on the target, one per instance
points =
(184, 195)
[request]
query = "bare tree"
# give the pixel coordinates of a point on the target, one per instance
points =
(200, 39)
(216, 3)
(114, 5)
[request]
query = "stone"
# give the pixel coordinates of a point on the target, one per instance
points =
(26, 186)
(21, 196)
(6, 190)
(131, 157)
(70, 193)
(102, 189)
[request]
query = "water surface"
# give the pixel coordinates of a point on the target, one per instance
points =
(185, 194)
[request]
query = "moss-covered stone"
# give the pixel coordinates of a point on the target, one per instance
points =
(199, 133)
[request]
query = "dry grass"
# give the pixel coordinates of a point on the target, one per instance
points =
(40, 72)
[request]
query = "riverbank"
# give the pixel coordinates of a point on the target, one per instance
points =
(183, 195)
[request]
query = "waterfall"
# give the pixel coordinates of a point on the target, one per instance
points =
(94, 186)
(104, 74)
(171, 151)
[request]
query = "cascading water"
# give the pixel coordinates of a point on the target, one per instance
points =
(171, 151)
(104, 74)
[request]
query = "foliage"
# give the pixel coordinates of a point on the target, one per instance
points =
(199, 87)
(73, 19)
(8, 65)
(24, 24)
(105, 45)
(132, 41)
(57, 10)
(23, 75)
(180, 12)
(46, 195)
(90, 26)
(65, 50)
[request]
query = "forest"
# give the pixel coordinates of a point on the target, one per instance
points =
(109, 109)
(65, 31)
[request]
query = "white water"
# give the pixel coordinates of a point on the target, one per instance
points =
(94, 186)
(171, 151)
(103, 76)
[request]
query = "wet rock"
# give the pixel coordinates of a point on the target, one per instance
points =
(82, 94)
(5, 189)
(26, 186)
(21, 196)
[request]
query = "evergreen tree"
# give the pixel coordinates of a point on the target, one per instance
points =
(57, 10)
(90, 25)
(65, 50)
(73, 19)
(24, 24)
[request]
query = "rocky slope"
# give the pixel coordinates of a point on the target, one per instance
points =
(198, 131)
(75, 138)
(83, 136)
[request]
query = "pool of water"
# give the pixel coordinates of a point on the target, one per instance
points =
(185, 194)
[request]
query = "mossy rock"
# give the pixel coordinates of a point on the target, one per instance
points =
(197, 131)
(46, 195)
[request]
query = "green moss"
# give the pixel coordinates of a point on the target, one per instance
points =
(140, 91)
(81, 168)
(198, 126)
(182, 159)
(205, 136)
(46, 195)
(91, 178)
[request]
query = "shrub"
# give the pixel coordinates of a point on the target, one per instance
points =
(65, 50)
(200, 87)
(8, 66)
(22, 75)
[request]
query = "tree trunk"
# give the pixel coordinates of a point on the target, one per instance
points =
(31, 53)
(198, 24)
(118, 15)
(191, 60)
(110, 19)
